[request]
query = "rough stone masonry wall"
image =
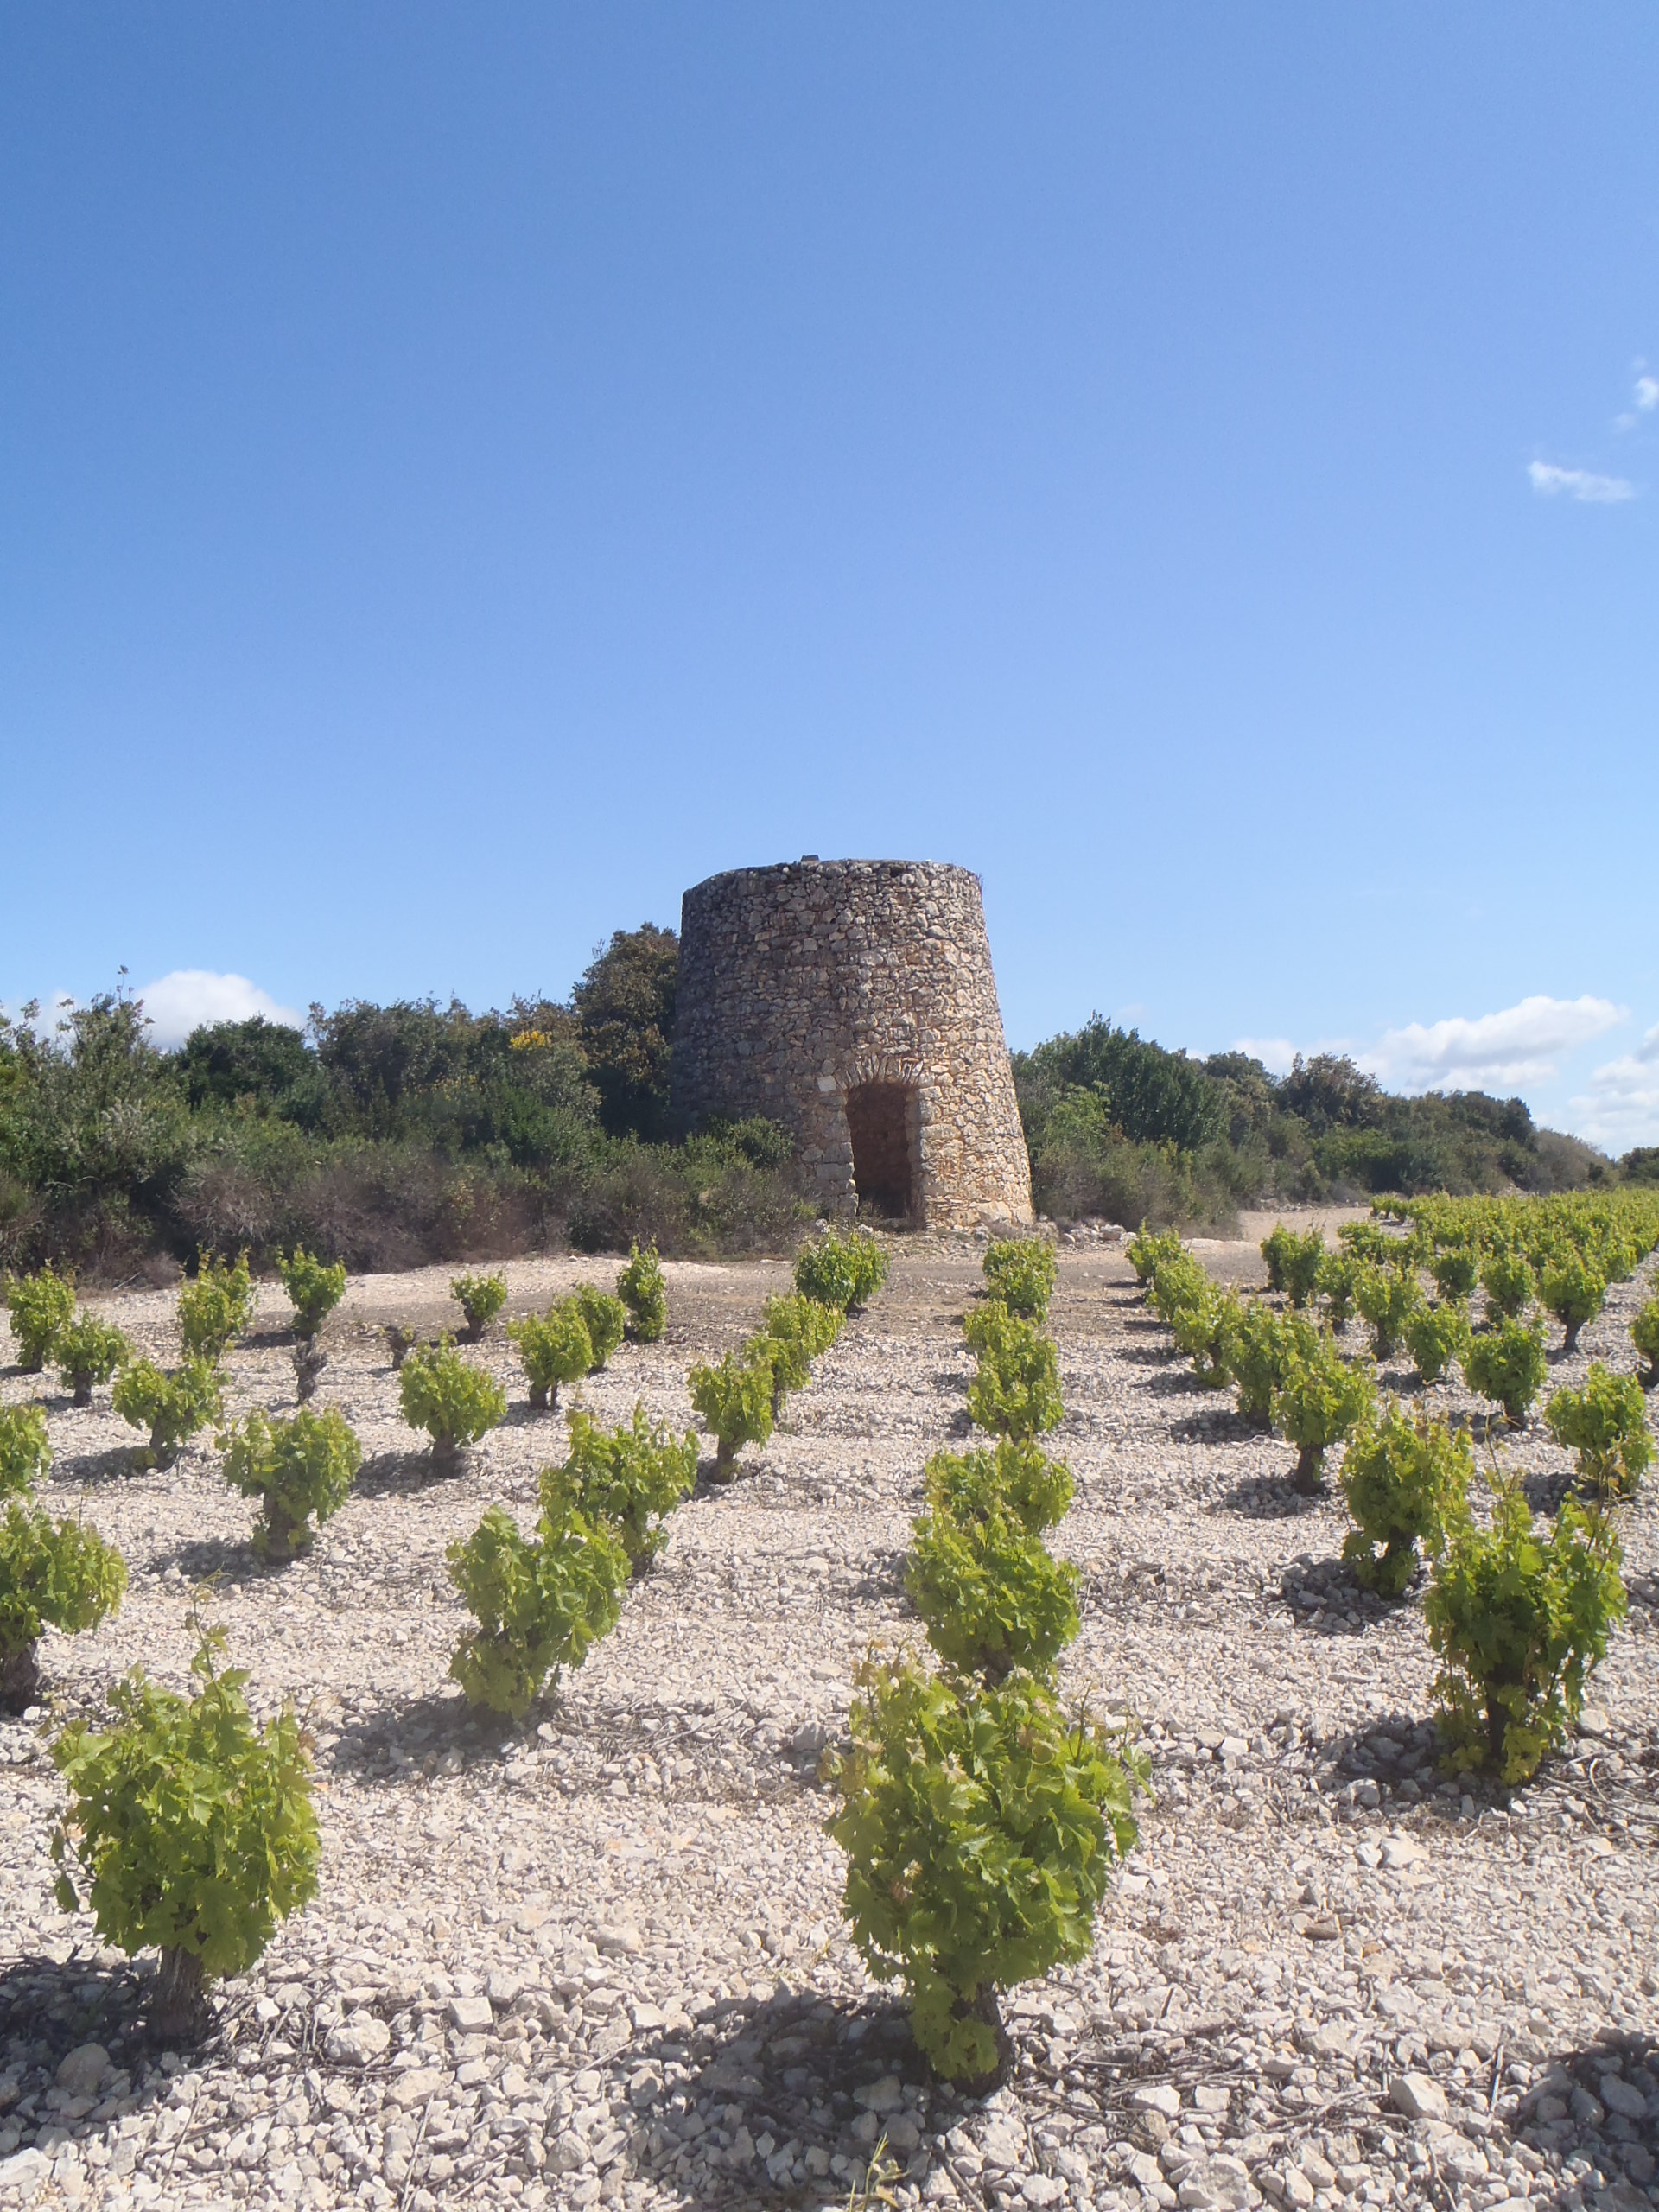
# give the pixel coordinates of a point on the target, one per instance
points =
(799, 980)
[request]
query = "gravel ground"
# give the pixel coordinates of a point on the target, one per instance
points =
(602, 1959)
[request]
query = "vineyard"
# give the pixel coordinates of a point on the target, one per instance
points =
(1170, 1725)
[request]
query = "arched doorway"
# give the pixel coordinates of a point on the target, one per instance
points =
(882, 1122)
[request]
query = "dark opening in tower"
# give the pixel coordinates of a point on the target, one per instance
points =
(882, 1122)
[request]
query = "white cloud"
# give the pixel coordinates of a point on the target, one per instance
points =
(181, 1002)
(1647, 393)
(1276, 1054)
(1621, 1107)
(1551, 483)
(1523, 1045)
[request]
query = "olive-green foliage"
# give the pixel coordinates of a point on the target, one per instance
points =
(632, 1478)
(1606, 1424)
(1573, 1290)
(1293, 1262)
(480, 1297)
(59, 1572)
(1406, 1482)
(1364, 1241)
(1020, 1272)
(40, 1305)
(802, 1321)
(189, 1827)
(1508, 1280)
(1273, 1249)
(1387, 1297)
(1205, 1331)
(1321, 1400)
(1435, 1337)
(215, 1308)
(1507, 1363)
(25, 1449)
(453, 1400)
(301, 1469)
(1260, 1349)
(1145, 1249)
(1338, 1271)
(539, 1602)
(845, 1271)
(641, 1289)
(1519, 1620)
(734, 1402)
(1178, 1282)
(604, 1318)
(1644, 1335)
(1456, 1269)
(315, 1287)
(981, 1827)
(990, 1595)
(1016, 1391)
(173, 1406)
(1016, 1477)
(556, 1348)
(88, 1351)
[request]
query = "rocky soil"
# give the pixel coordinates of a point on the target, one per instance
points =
(601, 1960)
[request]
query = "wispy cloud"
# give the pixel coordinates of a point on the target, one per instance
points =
(1276, 1054)
(183, 1001)
(1523, 1045)
(1552, 483)
(1621, 1106)
(1647, 394)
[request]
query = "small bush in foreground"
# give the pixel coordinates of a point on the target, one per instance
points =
(1205, 1331)
(1017, 1478)
(641, 1289)
(556, 1348)
(1260, 1347)
(480, 1297)
(88, 1351)
(1507, 1364)
(632, 1478)
(1293, 1262)
(1644, 1335)
(604, 1318)
(215, 1308)
(1435, 1337)
(1606, 1424)
(845, 1272)
(299, 1470)
(1321, 1400)
(40, 1305)
(1387, 1297)
(1508, 1280)
(190, 1828)
(56, 1573)
(540, 1603)
(1573, 1291)
(734, 1401)
(1178, 1283)
(1020, 1273)
(1519, 1620)
(1145, 1250)
(1406, 1483)
(25, 1448)
(1016, 1391)
(991, 1597)
(315, 1287)
(794, 1330)
(173, 1406)
(981, 1827)
(454, 1402)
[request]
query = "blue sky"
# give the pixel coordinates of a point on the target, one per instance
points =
(469, 474)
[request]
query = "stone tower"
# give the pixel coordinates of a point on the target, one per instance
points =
(853, 1001)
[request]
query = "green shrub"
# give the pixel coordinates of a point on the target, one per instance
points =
(980, 1827)
(299, 1469)
(480, 1297)
(1508, 1281)
(1204, 1332)
(539, 1603)
(642, 1290)
(1606, 1424)
(1338, 1272)
(215, 1308)
(1364, 1241)
(25, 1448)
(39, 1306)
(1274, 1247)
(1519, 1620)
(454, 1402)
(1020, 1273)
(1406, 1482)
(1507, 1363)
(556, 1348)
(1260, 1348)
(845, 1272)
(1644, 1335)
(190, 1828)
(88, 1351)
(1573, 1290)
(173, 1406)
(1456, 1269)
(1016, 1391)
(314, 1289)
(59, 1573)
(794, 1330)
(632, 1478)
(604, 1318)
(1299, 1261)
(1178, 1284)
(1145, 1250)
(734, 1401)
(992, 1598)
(1435, 1337)
(1321, 1400)
(1016, 1477)
(1387, 1297)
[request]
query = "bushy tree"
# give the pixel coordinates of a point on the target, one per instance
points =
(981, 1827)
(40, 1305)
(315, 1287)
(540, 1603)
(990, 1594)
(845, 1272)
(556, 1348)
(1387, 1297)
(1573, 1291)
(190, 1828)
(1406, 1483)
(215, 1309)
(1644, 1335)
(25, 1449)
(1016, 1478)
(631, 1477)
(624, 1014)
(1020, 1273)
(173, 1407)
(480, 1297)
(301, 1469)
(1435, 1337)
(1606, 1424)
(1507, 1364)
(734, 1401)
(641, 1289)
(88, 1351)
(1507, 1278)
(454, 1402)
(1519, 1620)
(56, 1573)
(604, 1318)
(1016, 1391)
(1321, 1400)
